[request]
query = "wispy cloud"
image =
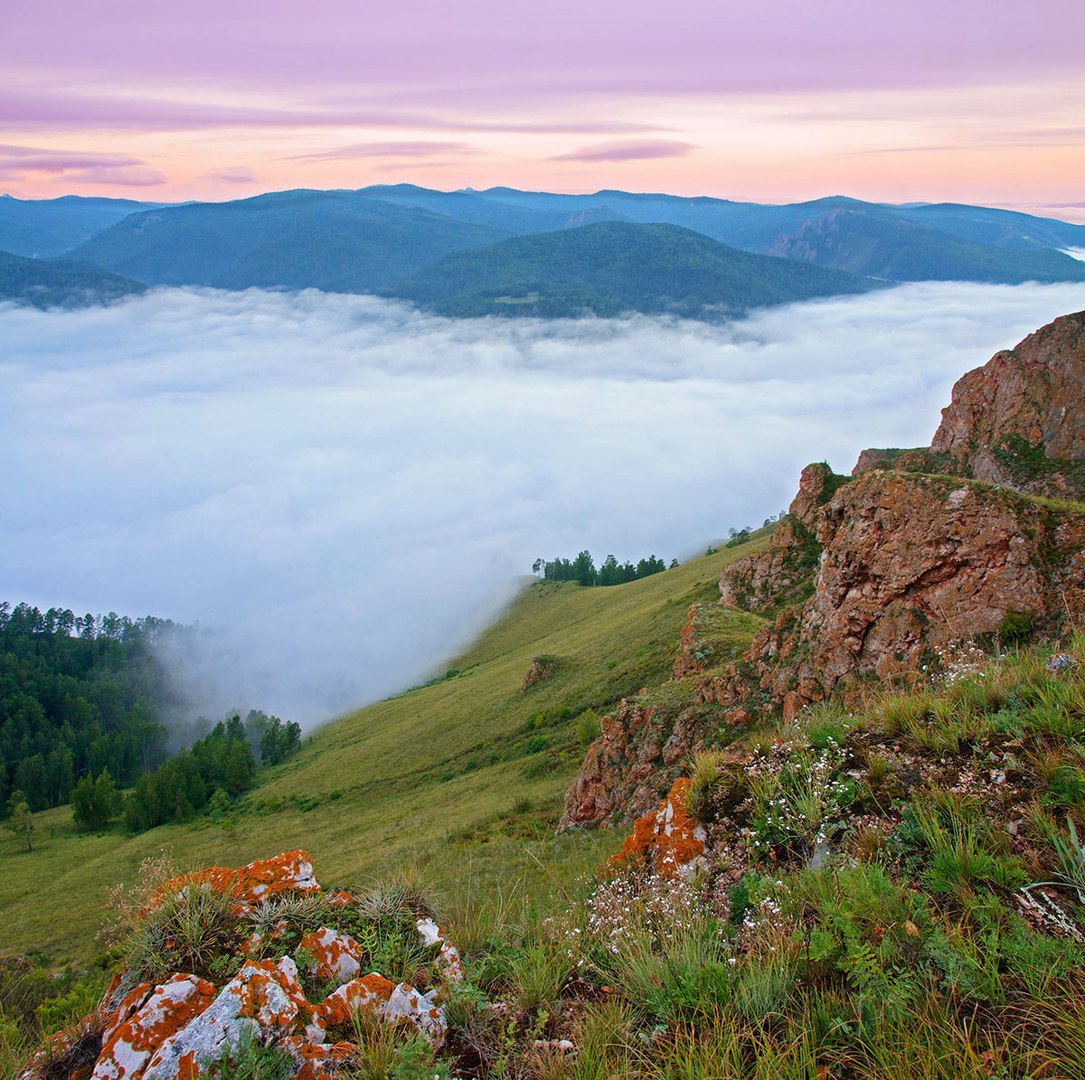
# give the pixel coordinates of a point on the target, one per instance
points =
(346, 489)
(64, 110)
(231, 174)
(641, 150)
(17, 162)
(403, 150)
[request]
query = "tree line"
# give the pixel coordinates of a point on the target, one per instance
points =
(78, 694)
(582, 569)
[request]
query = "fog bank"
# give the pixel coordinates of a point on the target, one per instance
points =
(344, 490)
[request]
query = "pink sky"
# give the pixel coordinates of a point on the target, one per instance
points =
(969, 100)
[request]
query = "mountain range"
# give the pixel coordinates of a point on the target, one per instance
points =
(508, 252)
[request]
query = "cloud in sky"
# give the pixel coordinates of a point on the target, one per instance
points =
(258, 84)
(232, 174)
(77, 166)
(407, 150)
(643, 149)
(347, 489)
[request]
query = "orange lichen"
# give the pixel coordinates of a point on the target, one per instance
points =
(669, 839)
(291, 871)
(335, 956)
(367, 992)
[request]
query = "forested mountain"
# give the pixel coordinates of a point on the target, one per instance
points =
(63, 284)
(339, 241)
(750, 226)
(614, 267)
(42, 228)
(882, 246)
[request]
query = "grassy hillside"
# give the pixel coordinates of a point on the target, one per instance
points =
(461, 778)
(613, 267)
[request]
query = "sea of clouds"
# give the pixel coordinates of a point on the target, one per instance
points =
(342, 490)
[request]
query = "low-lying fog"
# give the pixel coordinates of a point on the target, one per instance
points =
(346, 490)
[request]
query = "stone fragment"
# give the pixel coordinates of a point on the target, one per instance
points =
(335, 956)
(264, 1001)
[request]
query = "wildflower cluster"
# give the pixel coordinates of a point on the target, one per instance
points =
(801, 798)
(631, 905)
(955, 662)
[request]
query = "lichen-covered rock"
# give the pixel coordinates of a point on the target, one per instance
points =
(669, 841)
(448, 961)
(255, 883)
(381, 997)
(264, 1001)
(334, 955)
(175, 1029)
(145, 1019)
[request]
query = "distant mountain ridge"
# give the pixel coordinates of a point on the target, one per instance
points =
(45, 228)
(470, 252)
(881, 246)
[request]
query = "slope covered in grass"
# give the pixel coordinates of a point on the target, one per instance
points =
(454, 777)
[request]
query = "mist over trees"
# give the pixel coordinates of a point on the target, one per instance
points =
(211, 773)
(86, 709)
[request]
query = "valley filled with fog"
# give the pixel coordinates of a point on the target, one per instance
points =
(342, 490)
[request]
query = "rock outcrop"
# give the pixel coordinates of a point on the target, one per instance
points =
(911, 562)
(783, 573)
(620, 774)
(1019, 420)
(863, 577)
(176, 1027)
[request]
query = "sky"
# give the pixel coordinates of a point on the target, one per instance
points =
(980, 101)
(342, 490)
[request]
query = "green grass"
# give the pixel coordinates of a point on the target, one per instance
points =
(437, 777)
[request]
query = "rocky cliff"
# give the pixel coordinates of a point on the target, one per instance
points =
(872, 577)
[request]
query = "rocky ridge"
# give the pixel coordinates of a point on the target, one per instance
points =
(867, 577)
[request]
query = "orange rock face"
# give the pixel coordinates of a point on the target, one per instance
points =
(670, 841)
